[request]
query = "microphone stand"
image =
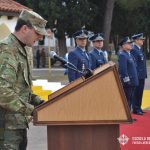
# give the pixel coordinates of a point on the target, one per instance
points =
(72, 67)
(87, 73)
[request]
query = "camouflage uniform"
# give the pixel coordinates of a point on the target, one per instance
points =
(16, 98)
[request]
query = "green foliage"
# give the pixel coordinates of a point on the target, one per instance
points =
(66, 16)
(23, 2)
(132, 4)
(98, 17)
(131, 16)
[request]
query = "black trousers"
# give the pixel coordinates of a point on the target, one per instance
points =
(129, 92)
(138, 95)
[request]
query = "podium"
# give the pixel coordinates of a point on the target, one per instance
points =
(85, 114)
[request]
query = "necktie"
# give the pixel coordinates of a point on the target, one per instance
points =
(102, 54)
(129, 53)
(86, 55)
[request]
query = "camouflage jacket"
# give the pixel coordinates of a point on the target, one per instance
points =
(16, 99)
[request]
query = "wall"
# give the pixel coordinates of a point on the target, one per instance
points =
(10, 23)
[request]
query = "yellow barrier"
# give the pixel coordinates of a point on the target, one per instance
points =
(146, 99)
(43, 94)
(35, 88)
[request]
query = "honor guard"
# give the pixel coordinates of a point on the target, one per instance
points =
(140, 59)
(127, 69)
(79, 56)
(97, 54)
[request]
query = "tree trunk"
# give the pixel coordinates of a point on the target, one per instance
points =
(147, 47)
(107, 22)
(62, 46)
(116, 41)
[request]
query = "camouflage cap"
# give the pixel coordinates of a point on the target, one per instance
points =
(35, 19)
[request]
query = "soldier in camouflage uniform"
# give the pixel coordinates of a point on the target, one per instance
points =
(17, 101)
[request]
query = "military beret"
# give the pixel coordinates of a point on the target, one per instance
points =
(124, 41)
(97, 37)
(138, 36)
(81, 34)
(35, 19)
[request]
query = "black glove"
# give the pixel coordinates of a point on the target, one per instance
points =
(41, 102)
(36, 100)
(87, 73)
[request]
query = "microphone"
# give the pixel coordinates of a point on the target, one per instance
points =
(53, 55)
(67, 64)
(86, 73)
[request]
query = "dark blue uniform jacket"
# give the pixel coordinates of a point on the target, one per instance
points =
(127, 69)
(79, 59)
(98, 58)
(140, 61)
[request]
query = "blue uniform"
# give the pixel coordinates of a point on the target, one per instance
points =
(128, 74)
(81, 60)
(98, 58)
(142, 74)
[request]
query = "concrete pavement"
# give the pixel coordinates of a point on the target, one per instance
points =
(37, 137)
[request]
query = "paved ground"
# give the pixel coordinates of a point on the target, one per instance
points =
(37, 135)
(37, 138)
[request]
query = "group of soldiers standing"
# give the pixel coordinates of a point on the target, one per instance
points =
(133, 71)
(83, 60)
(131, 63)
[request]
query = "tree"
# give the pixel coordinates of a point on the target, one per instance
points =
(66, 17)
(107, 22)
(102, 19)
(98, 8)
(23, 2)
(131, 17)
